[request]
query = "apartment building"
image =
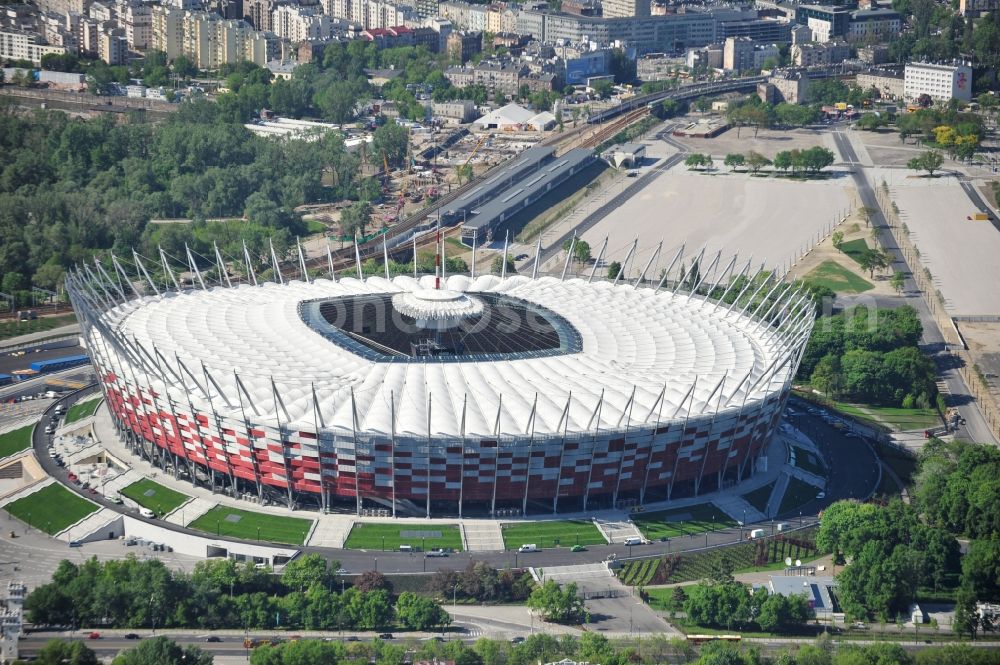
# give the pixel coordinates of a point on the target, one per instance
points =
(137, 21)
(297, 24)
(22, 46)
(741, 54)
(209, 40)
(941, 82)
(626, 8)
(814, 53)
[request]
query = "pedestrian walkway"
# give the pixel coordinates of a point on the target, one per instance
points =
(331, 531)
(739, 509)
(778, 493)
(807, 477)
(116, 484)
(95, 522)
(582, 574)
(190, 511)
(617, 531)
(26, 491)
(483, 536)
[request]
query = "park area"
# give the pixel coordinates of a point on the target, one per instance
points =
(51, 509)
(246, 525)
(389, 536)
(10, 329)
(148, 494)
(82, 410)
(682, 521)
(837, 278)
(15, 441)
(557, 533)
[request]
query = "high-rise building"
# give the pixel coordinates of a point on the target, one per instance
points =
(22, 46)
(298, 24)
(210, 40)
(137, 20)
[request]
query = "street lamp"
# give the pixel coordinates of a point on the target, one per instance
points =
(376, 564)
(258, 534)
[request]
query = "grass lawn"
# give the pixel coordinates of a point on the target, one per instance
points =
(682, 521)
(244, 524)
(389, 536)
(51, 509)
(808, 461)
(903, 419)
(663, 599)
(82, 410)
(837, 278)
(855, 248)
(161, 500)
(314, 226)
(10, 329)
(759, 497)
(15, 441)
(545, 534)
(797, 494)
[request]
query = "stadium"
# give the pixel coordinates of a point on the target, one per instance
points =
(468, 395)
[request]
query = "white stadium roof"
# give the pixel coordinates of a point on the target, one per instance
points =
(634, 341)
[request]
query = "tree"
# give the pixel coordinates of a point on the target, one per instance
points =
(603, 88)
(871, 260)
(184, 67)
(162, 651)
(305, 571)
(898, 281)
(757, 161)
(697, 160)
(420, 613)
(371, 581)
(869, 121)
(391, 141)
(817, 158)
(734, 160)
(783, 160)
(497, 267)
(464, 172)
(58, 652)
(356, 218)
(782, 613)
(837, 239)
(966, 619)
(557, 604)
(614, 268)
(929, 161)
(581, 249)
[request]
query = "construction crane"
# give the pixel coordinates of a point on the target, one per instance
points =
(476, 149)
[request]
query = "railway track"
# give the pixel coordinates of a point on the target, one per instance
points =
(584, 136)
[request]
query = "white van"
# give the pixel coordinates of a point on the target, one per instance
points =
(405, 548)
(146, 512)
(781, 526)
(528, 548)
(59, 409)
(633, 540)
(756, 533)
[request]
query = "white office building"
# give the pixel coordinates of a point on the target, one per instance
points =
(940, 82)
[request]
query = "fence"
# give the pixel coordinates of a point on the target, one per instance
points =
(935, 303)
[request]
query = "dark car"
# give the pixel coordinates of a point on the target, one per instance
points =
(352, 638)
(386, 636)
(131, 636)
(213, 638)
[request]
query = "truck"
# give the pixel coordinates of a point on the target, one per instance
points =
(756, 533)
(528, 547)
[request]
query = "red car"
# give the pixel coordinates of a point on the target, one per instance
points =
(94, 636)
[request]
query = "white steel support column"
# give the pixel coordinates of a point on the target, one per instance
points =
(503, 269)
(461, 479)
(627, 413)
(530, 430)
(621, 271)
(250, 271)
(538, 256)
(274, 263)
(564, 424)
(166, 268)
(648, 263)
(329, 261)
(593, 445)
(221, 266)
(302, 261)
(600, 255)
(357, 256)
(569, 256)
(194, 267)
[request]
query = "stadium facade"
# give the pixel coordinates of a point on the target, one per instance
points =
(467, 395)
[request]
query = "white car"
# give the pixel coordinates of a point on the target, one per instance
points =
(821, 495)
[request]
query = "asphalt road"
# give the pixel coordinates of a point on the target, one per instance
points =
(976, 428)
(11, 361)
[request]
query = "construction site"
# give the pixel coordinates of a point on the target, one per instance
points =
(456, 175)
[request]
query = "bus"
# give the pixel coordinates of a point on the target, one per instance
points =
(702, 639)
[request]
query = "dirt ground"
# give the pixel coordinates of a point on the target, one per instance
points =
(768, 141)
(984, 345)
(886, 149)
